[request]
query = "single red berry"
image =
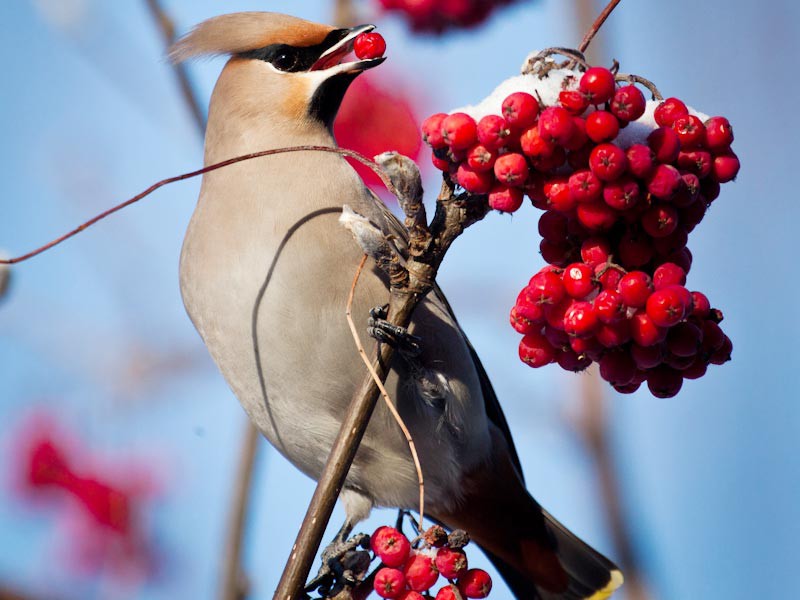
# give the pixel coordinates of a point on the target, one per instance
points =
(558, 339)
(585, 186)
(647, 357)
(684, 339)
(693, 214)
(641, 160)
(596, 216)
(369, 45)
(628, 103)
(695, 161)
(723, 353)
(412, 595)
(709, 189)
(451, 563)
(665, 144)
(580, 320)
(598, 84)
(548, 164)
(701, 307)
(529, 309)
(555, 125)
(511, 169)
(644, 332)
(558, 194)
(690, 130)
(493, 131)
(697, 369)
(441, 163)
(688, 190)
(669, 110)
(666, 307)
(448, 592)
(420, 571)
(390, 545)
(389, 583)
(556, 254)
(617, 368)
(595, 251)
(475, 182)
(621, 194)
(609, 276)
(635, 288)
(587, 348)
(459, 131)
(553, 226)
(569, 360)
(520, 323)
(505, 199)
(629, 388)
(713, 337)
(613, 335)
(719, 134)
(609, 306)
(725, 167)
(664, 381)
(660, 220)
(534, 145)
(520, 110)
(480, 158)
(574, 101)
(671, 243)
(535, 351)
(635, 249)
(608, 162)
(432, 131)
(602, 126)
(578, 280)
(665, 182)
(546, 287)
(579, 138)
(668, 274)
(475, 583)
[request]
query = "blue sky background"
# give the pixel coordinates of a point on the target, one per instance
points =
(95, 332)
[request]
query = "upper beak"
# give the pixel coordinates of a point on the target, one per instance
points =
(333, 55)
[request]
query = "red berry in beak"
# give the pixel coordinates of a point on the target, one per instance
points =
(369, 45)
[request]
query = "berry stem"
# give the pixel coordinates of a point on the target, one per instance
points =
(598, 23)
(537, 65)
(641, 80)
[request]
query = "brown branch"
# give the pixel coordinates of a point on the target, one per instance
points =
(167, 28)
(207, 169)
(453, 215)
(235, 585)
(598, 23)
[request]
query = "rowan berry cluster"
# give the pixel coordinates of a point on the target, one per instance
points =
(409, 572)
(437, 16)
(622, 182)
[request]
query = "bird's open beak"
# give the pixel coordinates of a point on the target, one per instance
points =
(333, 56)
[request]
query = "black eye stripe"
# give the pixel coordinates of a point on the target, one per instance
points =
(293, 59)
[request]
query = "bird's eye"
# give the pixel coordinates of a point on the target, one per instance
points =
(285, 61)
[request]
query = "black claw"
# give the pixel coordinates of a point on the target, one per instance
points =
(388, 333)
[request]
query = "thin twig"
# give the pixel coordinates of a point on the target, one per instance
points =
(390, 405)
(598, 23)
(645, 82)
(207, 169)
(167, 28)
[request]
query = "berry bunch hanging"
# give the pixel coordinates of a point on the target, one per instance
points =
(622, 182)
(408, 573)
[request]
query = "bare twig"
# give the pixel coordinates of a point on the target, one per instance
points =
(167, 28)
(598, 23)
(389, 404)
(207, 169)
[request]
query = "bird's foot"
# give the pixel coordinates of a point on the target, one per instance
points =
(407, 344)
(345, 562)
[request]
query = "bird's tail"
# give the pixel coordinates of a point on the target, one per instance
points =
(536, 555)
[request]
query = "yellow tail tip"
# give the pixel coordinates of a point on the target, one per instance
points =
(614, 582)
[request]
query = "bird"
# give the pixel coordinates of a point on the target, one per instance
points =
(265, 271)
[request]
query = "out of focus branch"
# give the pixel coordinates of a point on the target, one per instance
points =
(167, 28)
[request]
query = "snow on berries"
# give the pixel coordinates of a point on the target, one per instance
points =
(622, 182)
(409, 572)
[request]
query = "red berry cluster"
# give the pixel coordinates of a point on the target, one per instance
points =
(408, 572)
(615, 226)
(437, 16)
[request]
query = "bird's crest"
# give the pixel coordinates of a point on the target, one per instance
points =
(239, 32)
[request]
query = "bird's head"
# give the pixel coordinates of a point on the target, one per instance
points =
(281, 67)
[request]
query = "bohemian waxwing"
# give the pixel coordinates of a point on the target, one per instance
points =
(265, 272)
